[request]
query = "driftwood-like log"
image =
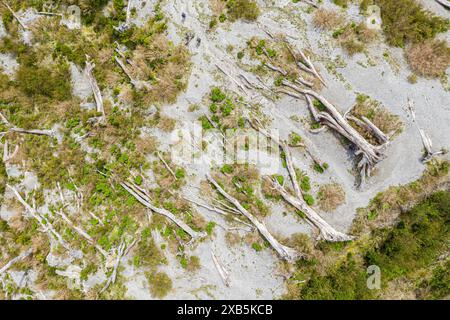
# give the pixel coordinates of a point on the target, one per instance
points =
(42, 220)
(82, 233)
(167, 166)
(444, 3)
(11, 262)
(426, 140)
(95, 89)
(138, 84)
(371, 155)
(327, 232)
(119, 254)
(219, 211)
(15, 15)
(222, 272)
(144, 199)
(286, 253)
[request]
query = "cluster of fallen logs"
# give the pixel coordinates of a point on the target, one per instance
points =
(330, 117)
(327, 232)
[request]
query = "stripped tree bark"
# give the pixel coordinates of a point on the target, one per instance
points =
(426, 140)
(12, 128)
(444, 3)
(142, 196)
(286, 253)
(327, 232)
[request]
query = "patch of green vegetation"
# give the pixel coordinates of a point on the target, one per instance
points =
(406, 21)
(243, 9)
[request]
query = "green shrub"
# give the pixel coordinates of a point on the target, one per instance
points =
(243, 9)
(406, 21)
(160, 284)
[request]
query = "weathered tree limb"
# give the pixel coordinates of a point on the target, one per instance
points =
(15, 15)
(119, 254)
(82, 233)
(219, 211)
(222, 272)
(145, 200)
(43, 221)
(11, 262)
(326, 231)
(138, 84)
(371, 154)
(95, 89)
(38, 132)
(167, 166)
(233, 79)
(285, 252)
(426, 140)
(444, 3)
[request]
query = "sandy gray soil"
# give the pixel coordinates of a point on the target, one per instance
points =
(254, 274)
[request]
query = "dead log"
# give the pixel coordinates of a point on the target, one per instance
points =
(444, 3)
(120, 250)
(144, 199)
(326, 231)
(371, 155)
(166, 165)
(426, 140)
(15, 15)
(285, 252)
(42, 220)
(95, 89)
(11, 262)
(82, 233)
(222, 272)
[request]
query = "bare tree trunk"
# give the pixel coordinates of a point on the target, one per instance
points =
(327, 231)
(426, 140)
(222, 272)
(20, 257)
(95, 89)
(15, 15)
(285, 252)
(145, 200)
(444, 3)
(119, 254)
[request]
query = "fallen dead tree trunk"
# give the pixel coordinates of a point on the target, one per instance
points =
(11, 262)
(12, 128)
(327, 232)
(138, 84)
(444, 3)
(426, 140)
(42, 220)
(144, 199)
(222, 272)
(15, 15)
(82, 233)
(120, 251)
(285, 252)
(95, 89)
